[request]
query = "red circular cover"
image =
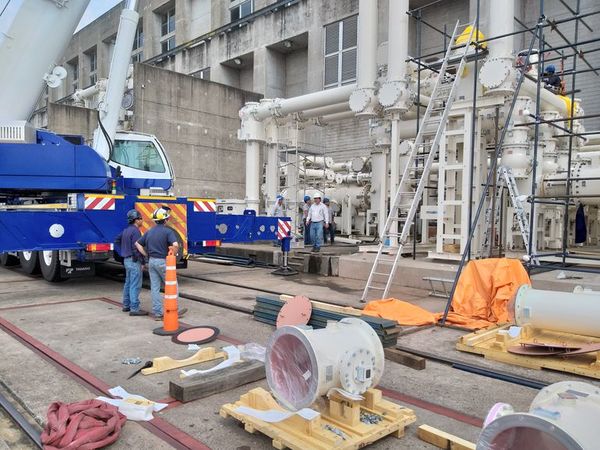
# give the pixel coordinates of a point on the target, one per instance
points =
(295, 311)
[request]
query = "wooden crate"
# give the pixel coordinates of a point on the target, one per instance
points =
(493, 344)
(337, 413)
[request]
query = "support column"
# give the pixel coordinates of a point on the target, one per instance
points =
(394, 174)
(252, 175)
(272, 174)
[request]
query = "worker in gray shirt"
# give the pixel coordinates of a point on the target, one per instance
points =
(155, 245)
(277, 208)
(305, 227)
(331, 230)
(318, 218)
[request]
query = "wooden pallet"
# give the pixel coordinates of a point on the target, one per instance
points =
(337, 413)
(493, 344)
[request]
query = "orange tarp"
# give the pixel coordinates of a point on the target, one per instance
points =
(480, 300)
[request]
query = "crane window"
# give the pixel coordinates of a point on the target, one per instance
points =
(141, 155)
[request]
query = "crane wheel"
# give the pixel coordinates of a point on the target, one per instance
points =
(30, 262)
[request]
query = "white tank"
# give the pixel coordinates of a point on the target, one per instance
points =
(303, 364)
(563, 416)
(575, 312)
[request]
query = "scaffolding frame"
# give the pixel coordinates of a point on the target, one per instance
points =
(570, 51)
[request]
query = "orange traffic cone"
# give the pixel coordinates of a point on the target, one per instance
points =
(170, 313)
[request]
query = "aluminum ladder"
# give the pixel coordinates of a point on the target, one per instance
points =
(505, 178)
(406, 201)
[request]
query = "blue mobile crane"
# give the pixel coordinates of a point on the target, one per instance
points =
(62, 202)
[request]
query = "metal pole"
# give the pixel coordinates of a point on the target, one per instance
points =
(32, 433)
(473, 125)
(418, 123)
(491, 175)
(532, 214)
(570, 155)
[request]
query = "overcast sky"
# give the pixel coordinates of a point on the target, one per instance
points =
(95, 9)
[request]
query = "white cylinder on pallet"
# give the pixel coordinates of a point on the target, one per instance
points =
(575, 313)
(303, 364)
(562, 416)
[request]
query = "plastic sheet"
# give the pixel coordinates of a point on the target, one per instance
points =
(233, 356)
(274, 415)
(134, 407)
(253, 351)
(480, 300)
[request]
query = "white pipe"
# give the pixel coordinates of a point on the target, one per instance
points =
(252, 174)
(394, 176)
(285, 106)
(566, 312)
(336, 117)
(272, 173)
(563, 415)
(325, 110)
(397, 40)
(119, 66)
(33, 42)
(589, 186)
(501, 22)
(367, 44)
(317, 162)
(379, 188)
(550, 101)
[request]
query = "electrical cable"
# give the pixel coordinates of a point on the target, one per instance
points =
(107, 137)
(5, 6)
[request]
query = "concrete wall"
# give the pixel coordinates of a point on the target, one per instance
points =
(197, 123)
(65, 119)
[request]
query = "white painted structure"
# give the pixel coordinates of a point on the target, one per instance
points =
(388, 101)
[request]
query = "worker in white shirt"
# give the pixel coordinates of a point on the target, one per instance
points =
(277, 208)
(318, 218)
(305, 208)
(331, 230)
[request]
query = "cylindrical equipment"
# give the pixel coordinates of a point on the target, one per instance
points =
(501, 21)
(252, 174)
(575, 312)
(303, 364)
(397, 40)
(366, 67)
(285, 106)
(562, 416)
(41, 30)
(119, 65)
(584, 182)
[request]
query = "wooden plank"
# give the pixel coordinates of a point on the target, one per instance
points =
(348, 310)
(404, 358)
(214, 382)
(444, 440)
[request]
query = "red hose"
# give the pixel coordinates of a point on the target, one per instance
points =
(84, 425)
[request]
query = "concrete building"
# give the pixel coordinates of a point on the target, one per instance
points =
(284, 49)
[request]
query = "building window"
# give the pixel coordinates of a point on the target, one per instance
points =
(137, 57)
(203, 74)
(240, 8)
(167, 24)
(138, 41)
(73, 66)
(340, 52)
(92, 56)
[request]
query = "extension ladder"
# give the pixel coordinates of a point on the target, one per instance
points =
(505, 178)
(404, 204)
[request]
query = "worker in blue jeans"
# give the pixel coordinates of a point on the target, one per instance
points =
(133, 261)
(155, 245)
(318, 218)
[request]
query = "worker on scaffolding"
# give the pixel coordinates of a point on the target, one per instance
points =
(305, 226)
(331, 230)
(551, 80)
(318, 219)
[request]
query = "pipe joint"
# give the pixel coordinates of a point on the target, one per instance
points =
(363, 102)
(251, 129)
(395, 96)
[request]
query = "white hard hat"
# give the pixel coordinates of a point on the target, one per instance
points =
(316, 195)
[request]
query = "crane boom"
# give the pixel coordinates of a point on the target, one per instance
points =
(41, 31)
